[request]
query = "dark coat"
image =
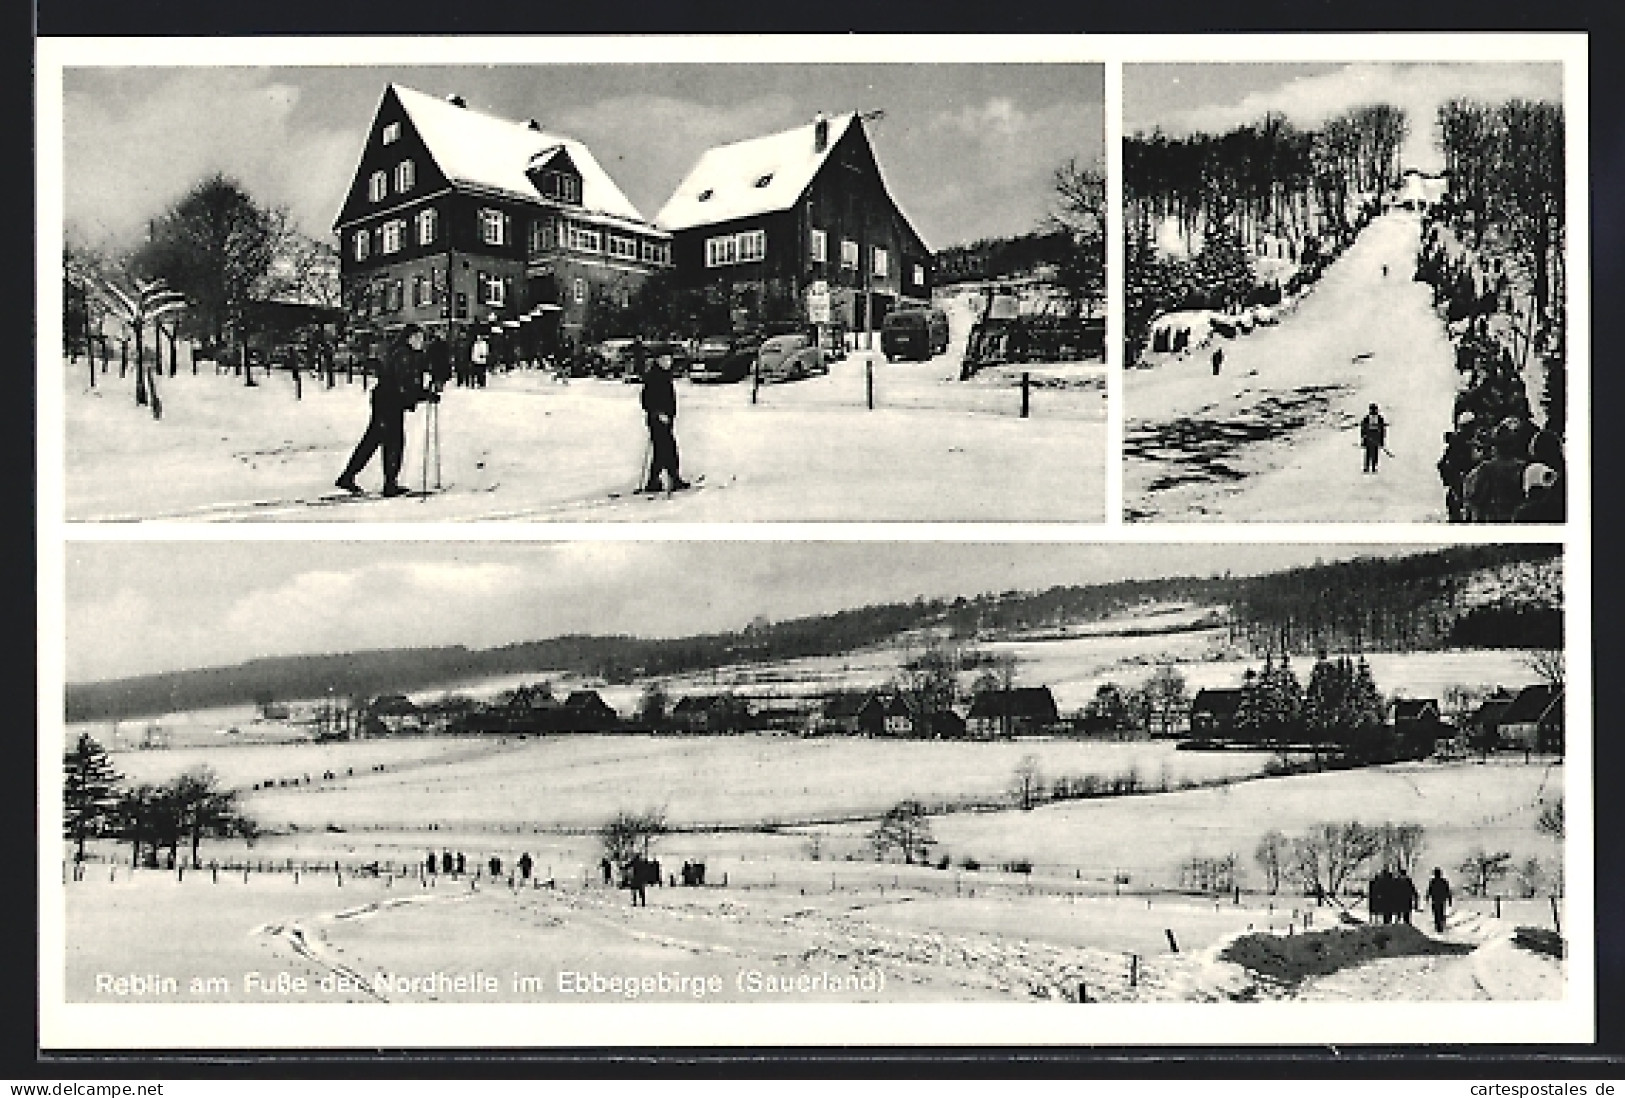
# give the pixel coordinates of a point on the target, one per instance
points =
(1373, 430)
(400, 380)
(659, 394)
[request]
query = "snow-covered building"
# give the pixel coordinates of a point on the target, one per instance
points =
(455, 217)
(798, 226)
(1020, 711)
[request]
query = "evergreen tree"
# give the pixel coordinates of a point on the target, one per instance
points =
(90, 793)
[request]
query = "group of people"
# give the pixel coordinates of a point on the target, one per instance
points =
(1497, 465)
(448, 864)
(414, 370)
(1392, 896)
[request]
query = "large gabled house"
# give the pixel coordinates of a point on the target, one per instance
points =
(1022, 711)
(457, 218)
(797, 226)
(1534, 720)
(1214, 711)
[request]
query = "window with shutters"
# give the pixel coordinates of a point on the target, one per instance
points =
(428, 223)
(377, 186)
(493, 226)
(406, 176)
(393, 232)
(881, 262)
(849, 254)
(420, 291)
(363, 245)
(820, 246)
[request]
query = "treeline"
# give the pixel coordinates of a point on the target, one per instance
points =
(1391, 604)
(1264, 178)
(1227, 195)
(1367, 604)
(1003, 257)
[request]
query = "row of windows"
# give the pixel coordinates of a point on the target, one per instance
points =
(496, 228)
(490, 291)
(879, 258)
(406, 177)
(745, 247)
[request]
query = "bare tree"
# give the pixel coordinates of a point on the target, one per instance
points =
(144, 303)
(905, 827)
(1029, 782)
(1482, 869)
(629, 834)
(1326, 857)
(1273, 854)
(1401, 846)
(1548, 664)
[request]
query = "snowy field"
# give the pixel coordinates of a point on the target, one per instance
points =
(533, 449)
(877, 931)
(1274, 437)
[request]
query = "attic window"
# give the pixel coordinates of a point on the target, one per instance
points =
(392, 133)
(705, 195)
(765, 180)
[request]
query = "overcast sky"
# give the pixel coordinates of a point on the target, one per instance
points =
(1212, 98)
(138, 607)
(968, 150)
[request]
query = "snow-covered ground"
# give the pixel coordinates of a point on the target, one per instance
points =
(532, 449)
(1274, 437)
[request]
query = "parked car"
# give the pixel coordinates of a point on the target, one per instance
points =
(914, 333)
(609, 358)
(790, 358)
(724, 358)
(674, 354)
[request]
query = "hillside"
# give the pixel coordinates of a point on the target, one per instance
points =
(1481, 596)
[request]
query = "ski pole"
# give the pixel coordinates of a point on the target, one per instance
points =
(435, 411)
(645, 469)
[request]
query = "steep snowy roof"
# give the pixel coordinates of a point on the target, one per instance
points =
(761, 175)
(481, 150)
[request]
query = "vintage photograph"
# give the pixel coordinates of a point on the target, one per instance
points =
(1346, 293)
(855, 773)
(580, 292)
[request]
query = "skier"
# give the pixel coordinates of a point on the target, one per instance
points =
(1438, 898)
(524, 866)
(1218, 360)
(659, 402)
(398, 391)
(1373, 433)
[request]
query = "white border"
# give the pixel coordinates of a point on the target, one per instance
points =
(310, 1026)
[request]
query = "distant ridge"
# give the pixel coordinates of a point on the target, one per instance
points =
(1474, 596)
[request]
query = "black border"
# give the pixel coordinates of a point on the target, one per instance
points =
(20, 1057)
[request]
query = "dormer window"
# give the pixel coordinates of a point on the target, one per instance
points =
(406, 176)
(377, 186)
(705, 195)
(392, 133)
(763, 181)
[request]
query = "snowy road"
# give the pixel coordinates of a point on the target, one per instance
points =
(531, 449)
(1275, 437)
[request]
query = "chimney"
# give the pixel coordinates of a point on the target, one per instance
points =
(456, 100)
(820, 132)
(532, 124)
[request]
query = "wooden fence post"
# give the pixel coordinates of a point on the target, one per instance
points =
(869, 382)
(1173, 943)
(1026, 393)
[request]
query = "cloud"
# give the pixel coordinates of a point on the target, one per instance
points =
(1418, 89)
(135, 139)
(1003, 159)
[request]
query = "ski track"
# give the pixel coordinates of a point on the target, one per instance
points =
(1375, 338)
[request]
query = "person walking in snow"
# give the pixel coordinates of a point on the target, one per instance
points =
(398, 391)
(1493, 491)
(659, 400)
(524, 866)
(1218, 360)
(1373, 434)
(1405, 896)
(1438, 898)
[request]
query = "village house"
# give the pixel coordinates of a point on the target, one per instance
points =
(1213, 712)
(1485, 724)
(456, 217)
(853, 714)
(1022, 711)
(586, 711)
(798, 226)
(1534, 720)
(897, 716)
